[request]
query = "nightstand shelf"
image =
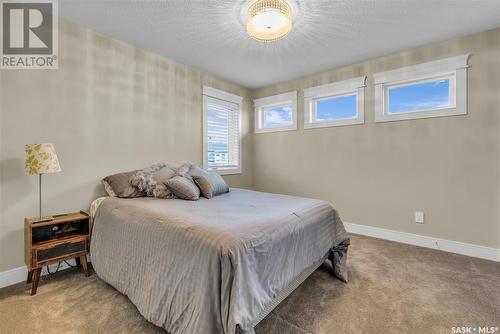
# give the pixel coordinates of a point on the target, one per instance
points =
(62, 238)
(66, 237)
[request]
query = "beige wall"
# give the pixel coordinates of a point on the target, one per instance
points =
(379, 174)
(110, 107)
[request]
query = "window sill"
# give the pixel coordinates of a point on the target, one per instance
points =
(420, 115)
(329, 124)
(281, 129)
(226, 171)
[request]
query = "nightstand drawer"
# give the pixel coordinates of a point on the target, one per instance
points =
(60, 250)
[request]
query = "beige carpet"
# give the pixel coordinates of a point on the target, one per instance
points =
(393, 288)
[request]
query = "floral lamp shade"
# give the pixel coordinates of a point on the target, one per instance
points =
(41, 159)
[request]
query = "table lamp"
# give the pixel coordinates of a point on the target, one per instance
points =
(41, 159)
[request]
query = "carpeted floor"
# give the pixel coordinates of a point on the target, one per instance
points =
(393, 288)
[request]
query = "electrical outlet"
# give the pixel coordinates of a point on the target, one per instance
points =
(419, 217)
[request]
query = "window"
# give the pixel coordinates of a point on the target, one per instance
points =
(336, 104)
(433, 89)
(221, 131)
(276, 113)
(428, 95)
(335, 108)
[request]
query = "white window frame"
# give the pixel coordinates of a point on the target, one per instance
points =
(224, 97)
(453, 69)
(354, 86)
(284, 99)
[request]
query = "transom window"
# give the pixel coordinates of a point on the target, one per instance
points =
(335, 108)
(276, 113)
(277, 116)
(433, 89)
(426, 95)
(221, 131)
(336, 104)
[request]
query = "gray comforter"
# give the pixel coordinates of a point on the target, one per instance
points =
(213, 266)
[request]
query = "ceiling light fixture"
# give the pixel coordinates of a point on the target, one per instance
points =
(269, 20)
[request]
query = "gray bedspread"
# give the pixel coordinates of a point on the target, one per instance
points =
(213, 266)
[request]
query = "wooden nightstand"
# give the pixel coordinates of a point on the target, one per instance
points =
(65, 237)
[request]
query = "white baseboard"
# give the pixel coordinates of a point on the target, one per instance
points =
(17, 275)
(482, 252)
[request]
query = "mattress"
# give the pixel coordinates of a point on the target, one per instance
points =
(213, 266)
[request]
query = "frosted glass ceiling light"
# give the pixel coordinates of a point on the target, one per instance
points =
(269, 20)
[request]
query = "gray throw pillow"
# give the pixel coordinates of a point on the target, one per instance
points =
(183, 188)
(197, 171)
(211, 184)
(108, 189)
(120, 184)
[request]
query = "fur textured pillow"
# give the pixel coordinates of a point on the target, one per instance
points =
(151, 180)
(183, 170)
(188, 170)
(161, 177)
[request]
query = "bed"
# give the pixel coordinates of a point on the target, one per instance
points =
(213, 266)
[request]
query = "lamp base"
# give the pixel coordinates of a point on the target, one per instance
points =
(41, 219)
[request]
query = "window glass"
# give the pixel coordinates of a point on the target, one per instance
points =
(335, 108)
(420, 96)
(218, 136)
(278, 116)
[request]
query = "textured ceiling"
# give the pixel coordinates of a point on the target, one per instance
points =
(211, 34)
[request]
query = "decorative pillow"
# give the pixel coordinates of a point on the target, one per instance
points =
(197, 171)
(151, 179)
(160, 178)
(211, 184)
(183, 188)
(188, 169)
(121, 186)
(183, 170)
(108, 189)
